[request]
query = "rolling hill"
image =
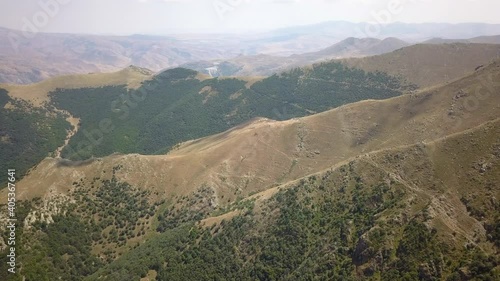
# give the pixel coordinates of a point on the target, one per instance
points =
(31, 58)
(320, 140)
(31, 129)
(26, 60)
(133, 112)
(264, 65)
(37, 93)
(176, 105)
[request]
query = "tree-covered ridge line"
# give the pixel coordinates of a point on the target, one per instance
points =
(176, 107)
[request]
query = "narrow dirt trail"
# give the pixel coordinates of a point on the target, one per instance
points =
(74, 122)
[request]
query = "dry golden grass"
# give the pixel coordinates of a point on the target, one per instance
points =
(151, 275)
(427, 64)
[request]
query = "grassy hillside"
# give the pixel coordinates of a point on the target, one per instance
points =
(424, 64)
(175, 106)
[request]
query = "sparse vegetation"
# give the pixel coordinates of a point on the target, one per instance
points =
(325, 228)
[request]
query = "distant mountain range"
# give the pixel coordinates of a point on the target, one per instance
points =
(406, 31)
(372, 54)
(356, 47)
(49, 55)
(481, 40)
(266, 64)
(26, 60)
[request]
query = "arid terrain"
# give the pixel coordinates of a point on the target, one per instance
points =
(32, 57)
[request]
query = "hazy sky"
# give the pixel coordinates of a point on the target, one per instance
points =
(166, 16)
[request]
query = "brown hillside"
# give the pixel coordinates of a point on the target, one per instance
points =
(455, 178)
(428, 64)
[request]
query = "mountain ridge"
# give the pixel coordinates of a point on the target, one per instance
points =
(355, 139)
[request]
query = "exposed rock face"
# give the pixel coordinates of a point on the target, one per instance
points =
(53, 204)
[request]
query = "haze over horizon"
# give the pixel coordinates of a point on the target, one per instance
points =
(158, 17)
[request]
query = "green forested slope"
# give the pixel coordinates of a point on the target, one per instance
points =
(176, 107)
(27, 135)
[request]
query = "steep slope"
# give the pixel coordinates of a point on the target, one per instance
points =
(418, 212)
(27, 134)
(428, 65)
(385, 174)
(231, 162)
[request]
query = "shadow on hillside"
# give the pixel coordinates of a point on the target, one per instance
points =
(70, 163)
